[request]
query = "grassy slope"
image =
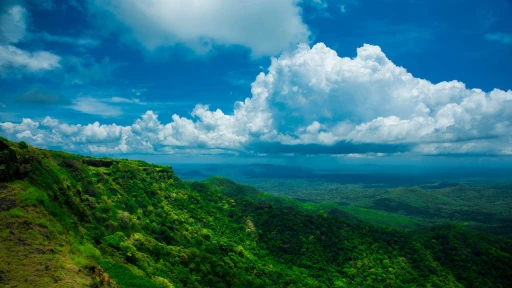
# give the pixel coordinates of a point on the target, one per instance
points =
(35, 249)
(77, 217)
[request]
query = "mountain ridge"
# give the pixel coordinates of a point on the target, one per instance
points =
(100, 222)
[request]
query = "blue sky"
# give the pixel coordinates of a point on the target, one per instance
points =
(266, 79)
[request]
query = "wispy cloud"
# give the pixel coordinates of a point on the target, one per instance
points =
(347, 5)
(83, 41)
(500, 37)
(86, 69)
(13, 24)
(328, 8)
(13, 61)
(126, 100)
(95, 106)
(138, 92)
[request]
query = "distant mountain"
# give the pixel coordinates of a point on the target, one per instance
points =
(73, 221)
(274, 171)
(194, 174)
(253, 171)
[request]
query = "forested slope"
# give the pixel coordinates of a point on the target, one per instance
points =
(73, 221)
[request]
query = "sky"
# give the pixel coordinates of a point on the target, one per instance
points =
(222, 80)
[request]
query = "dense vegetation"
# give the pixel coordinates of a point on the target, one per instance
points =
(479, 199)
(68, 220)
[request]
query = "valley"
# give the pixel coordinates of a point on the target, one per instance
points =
(397, 198)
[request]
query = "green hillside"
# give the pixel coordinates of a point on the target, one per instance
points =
(73, 221)
(482, 205)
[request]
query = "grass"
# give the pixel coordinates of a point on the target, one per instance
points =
(34, 251)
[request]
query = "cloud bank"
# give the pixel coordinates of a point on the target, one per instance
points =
(201, 24)
(311, 101)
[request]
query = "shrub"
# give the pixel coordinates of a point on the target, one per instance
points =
(22, 145)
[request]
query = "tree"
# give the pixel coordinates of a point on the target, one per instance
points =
(23, 145)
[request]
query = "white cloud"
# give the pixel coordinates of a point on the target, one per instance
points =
(27, 130)
(13, 24)
(60, 128)
(200, 24)
(385, 103)
(316, 8)
(14, 61)
(313, 97)
(94, 106)
(500, 37)
(101, 106)
(95, 132)
(126, 100)
(319, 4)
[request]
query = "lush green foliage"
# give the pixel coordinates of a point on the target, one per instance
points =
(146, 228)
(482, 203)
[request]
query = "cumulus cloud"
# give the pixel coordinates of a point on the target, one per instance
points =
(201, 24)
(312, 101)
(14, 61)
(376, 101)
(28, 130)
